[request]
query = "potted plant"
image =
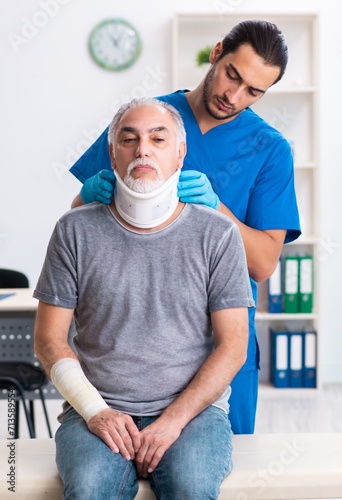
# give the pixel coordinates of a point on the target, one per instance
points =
(202, 56)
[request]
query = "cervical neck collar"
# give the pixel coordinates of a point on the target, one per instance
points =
(146, 210)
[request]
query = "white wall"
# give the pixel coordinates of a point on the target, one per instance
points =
(55, 101)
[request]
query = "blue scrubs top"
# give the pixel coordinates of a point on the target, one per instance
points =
(250, 167)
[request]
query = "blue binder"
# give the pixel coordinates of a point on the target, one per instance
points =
(296, 378)
(310, 359)
(274, 291)
(279, 359)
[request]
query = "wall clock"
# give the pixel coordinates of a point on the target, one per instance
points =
(114, 44)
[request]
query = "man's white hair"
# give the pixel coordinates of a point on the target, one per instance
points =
(147, 101)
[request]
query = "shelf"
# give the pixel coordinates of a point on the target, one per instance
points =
(193, 31)
(292, 107)
(305, 165)
(263, 315)
(292, 90)
(268, 390)
(305, 240)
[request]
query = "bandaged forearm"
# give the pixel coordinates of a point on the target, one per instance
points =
(70, 380)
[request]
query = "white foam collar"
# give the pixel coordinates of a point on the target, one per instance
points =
(145, 210)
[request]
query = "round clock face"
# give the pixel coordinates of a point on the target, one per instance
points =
(115, 44)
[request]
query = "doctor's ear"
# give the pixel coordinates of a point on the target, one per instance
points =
(215, 53)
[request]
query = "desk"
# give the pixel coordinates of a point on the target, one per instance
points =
(17, 299)
(17, 317)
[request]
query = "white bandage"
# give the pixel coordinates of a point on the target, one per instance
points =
(69, 379)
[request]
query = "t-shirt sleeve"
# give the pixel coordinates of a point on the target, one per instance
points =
(272, 202)
(96, 158)
(229, 284)
(57, 284)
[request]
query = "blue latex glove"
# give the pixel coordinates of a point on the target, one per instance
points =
(195, 187)
(100, 187)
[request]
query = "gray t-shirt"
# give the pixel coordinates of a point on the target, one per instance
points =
(143, 301)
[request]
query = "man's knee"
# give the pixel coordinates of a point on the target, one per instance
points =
(99, 481)
(88, 468)
(191, 488)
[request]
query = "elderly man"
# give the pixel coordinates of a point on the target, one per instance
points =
(159, 290)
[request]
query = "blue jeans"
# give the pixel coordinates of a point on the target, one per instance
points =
(193, 468)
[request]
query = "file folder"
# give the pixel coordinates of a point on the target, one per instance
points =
(296, 359)
(279, 359)
(291, 284)
(274, 291)
(310, 359)
(305, 284)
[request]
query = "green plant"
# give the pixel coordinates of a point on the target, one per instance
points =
(202, 56)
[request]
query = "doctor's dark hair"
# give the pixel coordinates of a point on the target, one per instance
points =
(265, 38)
(147, 101)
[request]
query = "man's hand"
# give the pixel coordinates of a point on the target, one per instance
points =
(156, 439)
(195, 187)
(99, 188)
(118, 431)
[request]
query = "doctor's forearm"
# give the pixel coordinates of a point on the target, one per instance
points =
(263, 248)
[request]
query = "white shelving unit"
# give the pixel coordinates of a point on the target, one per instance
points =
(292, 107)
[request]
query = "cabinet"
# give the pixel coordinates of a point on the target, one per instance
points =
(291, 106)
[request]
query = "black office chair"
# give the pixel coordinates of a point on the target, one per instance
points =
(13, 279)
(18, 375)
(22, 377)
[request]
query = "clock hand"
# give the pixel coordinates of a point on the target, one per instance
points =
(115, 39)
